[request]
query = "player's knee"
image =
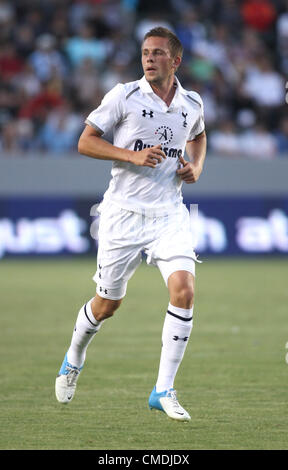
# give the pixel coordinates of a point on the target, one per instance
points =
(186, 296)
(104, 308)
(183, 297)
(181, 289)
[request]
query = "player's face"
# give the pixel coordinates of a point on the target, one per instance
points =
(157, 61)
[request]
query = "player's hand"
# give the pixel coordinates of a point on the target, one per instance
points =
(148, 157)
(189, 172)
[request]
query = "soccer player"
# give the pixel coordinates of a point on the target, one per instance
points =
(153, 121)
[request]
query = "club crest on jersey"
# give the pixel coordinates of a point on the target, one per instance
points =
(165, 134)
(145, 113)
(185, 116)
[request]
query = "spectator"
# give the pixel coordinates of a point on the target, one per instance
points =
(117, 73)
(9, 102)
(215, 49)
(65, 53)
(224, 140)
(24, 40)
(34, 16)
(149, 21)
(281, 136)
(8, 142)
(84, 46)
(61, 130)
(258, 143)
(122, 51)
(85, 82)
(227, 13)
(10, 63)
(190, 31)
(26, 83)
(37, 108)
(263, 84)
(78, 14)
(201, 68)
(259, 14)
(59, 25)
(17, 136)
(46, 60)
(282, 39)
(7, 18)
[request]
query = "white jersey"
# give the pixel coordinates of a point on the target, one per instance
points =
(138, 118)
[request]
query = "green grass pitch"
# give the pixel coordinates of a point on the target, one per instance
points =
(233, 379)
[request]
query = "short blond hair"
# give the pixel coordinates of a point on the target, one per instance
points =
(175, 45)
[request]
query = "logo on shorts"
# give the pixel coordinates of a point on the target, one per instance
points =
(99, 274)
(101, 289)
(165, 134)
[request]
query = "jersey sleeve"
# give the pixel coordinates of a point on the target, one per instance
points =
(110, 112)
(199, 125)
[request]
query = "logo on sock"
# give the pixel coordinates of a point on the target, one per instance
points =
(183, 339)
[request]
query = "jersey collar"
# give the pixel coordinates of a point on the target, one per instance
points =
(146, 87)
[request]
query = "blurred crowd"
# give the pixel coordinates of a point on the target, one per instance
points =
(59, 57)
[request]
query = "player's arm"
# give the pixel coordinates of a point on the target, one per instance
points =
(196, 151)
(93, 145)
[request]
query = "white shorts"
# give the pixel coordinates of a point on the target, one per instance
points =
(123, 237)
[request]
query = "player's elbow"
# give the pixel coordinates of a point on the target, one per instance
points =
(81, 146)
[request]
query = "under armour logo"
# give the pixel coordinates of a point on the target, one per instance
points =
(185, 122)
(183, 339)
(103, 290)
(144, 113)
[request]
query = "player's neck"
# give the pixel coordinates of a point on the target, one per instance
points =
(165, 89)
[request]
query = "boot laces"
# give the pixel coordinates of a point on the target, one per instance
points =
(173, 397)
(72, 376)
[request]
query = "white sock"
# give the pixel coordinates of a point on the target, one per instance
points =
(85, 329)
(175, 335)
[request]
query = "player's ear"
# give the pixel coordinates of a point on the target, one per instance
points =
(177, 62)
